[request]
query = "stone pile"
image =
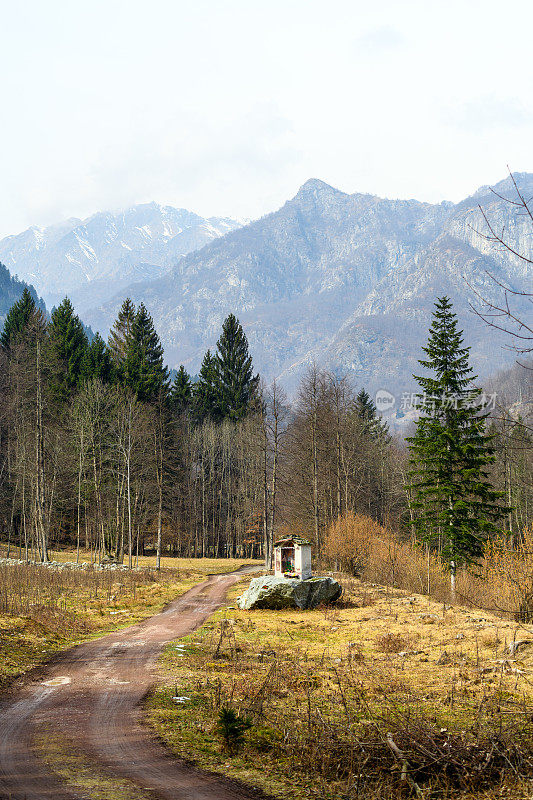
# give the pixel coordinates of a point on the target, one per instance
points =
(65, 565)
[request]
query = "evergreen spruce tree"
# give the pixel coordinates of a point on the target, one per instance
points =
(68, 345)
(117, 341)
(365, 406)
(18, 318)
(453, 502)
(97, 361)
(144, 371)
(205, 392)
(181, 392)
(366, 411)
(235, 382)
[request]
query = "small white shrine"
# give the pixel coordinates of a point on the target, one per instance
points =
(292, 558)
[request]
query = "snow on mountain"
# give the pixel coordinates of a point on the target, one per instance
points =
(91, 259)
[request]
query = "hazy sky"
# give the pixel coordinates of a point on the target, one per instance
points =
(227, 106)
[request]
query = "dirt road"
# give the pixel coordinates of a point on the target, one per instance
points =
(89, 696)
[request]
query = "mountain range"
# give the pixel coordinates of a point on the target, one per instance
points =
(90, 260)
(346, 281)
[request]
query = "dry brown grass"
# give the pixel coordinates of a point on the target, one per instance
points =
(325, 687)
(24, 586)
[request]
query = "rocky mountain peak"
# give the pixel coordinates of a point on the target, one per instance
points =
(505, 187)
(343, 280)
(316, 188)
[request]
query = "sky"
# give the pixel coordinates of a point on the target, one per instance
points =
(225, 107)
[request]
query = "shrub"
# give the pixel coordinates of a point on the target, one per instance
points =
(232, 727)
(508, 576)
(392, 643)
(349, 540)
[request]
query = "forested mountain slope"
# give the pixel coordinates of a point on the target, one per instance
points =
(10, 291)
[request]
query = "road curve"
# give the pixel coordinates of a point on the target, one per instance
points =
(90, 696)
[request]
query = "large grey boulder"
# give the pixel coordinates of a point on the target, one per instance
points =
(272, 592)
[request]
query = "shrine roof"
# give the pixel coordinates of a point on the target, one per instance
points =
(291, 540)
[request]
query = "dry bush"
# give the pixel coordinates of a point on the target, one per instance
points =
(349, 541)
(392, 643)
(507, 577)
(360, 546)
(403, 565)
(503, 581)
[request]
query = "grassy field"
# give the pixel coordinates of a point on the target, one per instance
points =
(389, 694)
(43, 610)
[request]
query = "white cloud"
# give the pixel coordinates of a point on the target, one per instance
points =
(227, 108)
(380, 39)
(489, 113)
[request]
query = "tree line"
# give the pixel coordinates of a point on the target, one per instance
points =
(100, 449)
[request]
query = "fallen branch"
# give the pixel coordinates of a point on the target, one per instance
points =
(405, 777)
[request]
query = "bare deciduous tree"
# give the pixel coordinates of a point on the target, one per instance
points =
(503, 314)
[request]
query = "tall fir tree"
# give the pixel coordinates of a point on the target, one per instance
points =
(454, 505)
(118, 336)
(18, 318)
(365, 406)
(236, 384)
(144, 371)
(97, 362)
(205, 395)
(181, 392)
(67, 345)
(365, 409)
